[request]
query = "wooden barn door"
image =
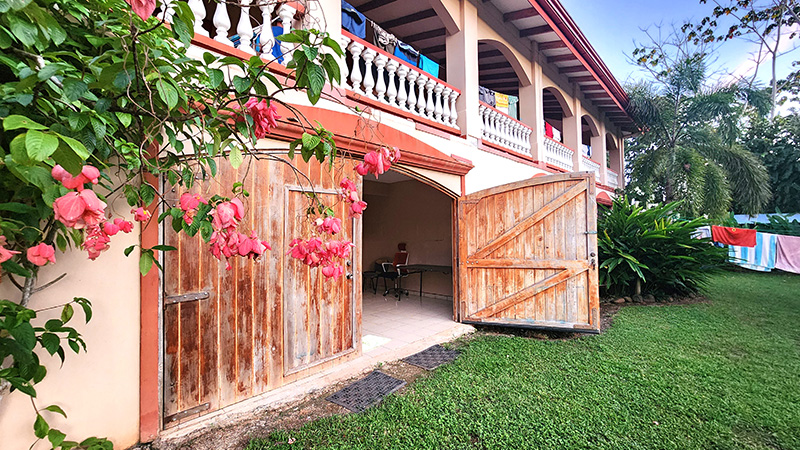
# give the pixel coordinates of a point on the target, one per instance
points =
(229, 335)
(528, 254)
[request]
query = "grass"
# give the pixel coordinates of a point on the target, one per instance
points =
(722, 375)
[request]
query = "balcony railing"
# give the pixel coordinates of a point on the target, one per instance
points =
(249, 39)
(558, 154)
(501, 129)
(380, 76)
(587, 165)
(612, 178)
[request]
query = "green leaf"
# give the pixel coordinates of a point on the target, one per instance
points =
(56, 409)
(40, 427)
(331, 66)
(86, 305)
(147, 193)
(131, 195)
(67, 313)
(316, 81)
(24, 335)
(19, 208)
(164, 248)
(76, 147)
(331, 43)
(241, 85)
(215, 77)
(74, 88)
(56, 437)
(311, 52)
(25, 31)
(124, 118)
(15, 122)
(145, 262)
(50, 342)
(40, 145)
(61, 242)
(168, 93)
(236, 157)
(310, 141)
(129, 250)
(68, 159)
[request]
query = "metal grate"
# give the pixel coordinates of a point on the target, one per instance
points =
(366, 392)
(432, 357)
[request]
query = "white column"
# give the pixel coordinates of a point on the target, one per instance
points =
(430, 106)
(286, 13)
(355, 74)
(199, 10)
(453, 112)
(369, 81)
(437, 102)
(412, 99)
(245, 28)
(267, 39)
(391, 92)
(222, 24)
(421, 103)
(380, 86)
(344, 41)
(402, 72)
(445, 98)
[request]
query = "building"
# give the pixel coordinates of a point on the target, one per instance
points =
(469, 195)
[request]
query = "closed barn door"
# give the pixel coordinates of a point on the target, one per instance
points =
(232, 334)
(528, 254)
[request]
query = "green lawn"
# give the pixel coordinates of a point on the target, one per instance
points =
(724, 375)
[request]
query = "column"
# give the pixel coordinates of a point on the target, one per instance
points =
(463, 47)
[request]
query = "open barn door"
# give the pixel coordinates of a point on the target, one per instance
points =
(528, 254)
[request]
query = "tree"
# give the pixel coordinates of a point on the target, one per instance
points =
(764, 23)
(96, 88)
(777, 143)
(687, 149)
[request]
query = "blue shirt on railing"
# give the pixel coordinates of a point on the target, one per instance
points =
(353, 21)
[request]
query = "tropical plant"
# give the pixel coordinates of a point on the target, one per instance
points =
(652, 250)
(687, 149)
(100, 98)
(777, 143)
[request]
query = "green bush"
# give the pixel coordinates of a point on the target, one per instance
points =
(652, 251)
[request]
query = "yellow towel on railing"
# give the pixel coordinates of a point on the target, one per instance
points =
(501, 102)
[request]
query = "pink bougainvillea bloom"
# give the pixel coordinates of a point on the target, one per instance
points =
(88, 174)
(140, 214)
(142, 8)
(5, 254)
(41, 254)
(124, 225)
(265, 116)
(79, 209)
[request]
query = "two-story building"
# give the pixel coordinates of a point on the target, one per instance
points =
(511, 128)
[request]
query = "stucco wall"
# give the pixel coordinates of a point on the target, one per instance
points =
(414, 213)
(99, 390)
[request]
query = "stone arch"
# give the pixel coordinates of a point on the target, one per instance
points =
(517, 64)
(559, 95)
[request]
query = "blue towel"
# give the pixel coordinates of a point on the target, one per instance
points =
(406, 53)
(760, 258)
(353, 21)
(427, 65)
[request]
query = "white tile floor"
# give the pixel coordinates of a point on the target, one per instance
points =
(390, 324)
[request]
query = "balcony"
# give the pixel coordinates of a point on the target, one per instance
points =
(612, 178)
(558, 154)
(501, 129)
(392, 82)
(587, 165)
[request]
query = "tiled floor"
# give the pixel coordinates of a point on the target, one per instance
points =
(391, 324)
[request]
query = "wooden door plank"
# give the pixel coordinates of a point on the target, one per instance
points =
(529, 221)
(491, 263)
(534, 289)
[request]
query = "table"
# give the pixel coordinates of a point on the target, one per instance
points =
(422, 268)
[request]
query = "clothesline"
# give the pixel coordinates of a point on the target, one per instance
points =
(755, 250)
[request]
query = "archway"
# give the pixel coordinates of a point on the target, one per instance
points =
(556, 109)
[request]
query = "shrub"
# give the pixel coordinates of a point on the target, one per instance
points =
(652, 251)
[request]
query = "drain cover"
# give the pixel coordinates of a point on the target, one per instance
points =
(366, 392)
(432, 357)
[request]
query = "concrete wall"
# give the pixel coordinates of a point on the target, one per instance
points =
(414, 213)
(99, 390)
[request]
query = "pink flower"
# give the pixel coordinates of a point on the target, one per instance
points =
(95, 241)
(140, 214)
(331, 225)
(41, 254)
(357, 208)
(5, 254)
(79, 209)
(142, 8)
(265, 116)
(88, 174)
(378, 162)
(191, 201)
(124, 225)
(110, 228)
(348, 185)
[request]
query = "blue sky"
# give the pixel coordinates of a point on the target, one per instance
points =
(612, 26)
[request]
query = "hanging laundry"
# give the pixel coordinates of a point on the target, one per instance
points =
(513, 106)
(548, 130)
(702, 232)
(406, 53)
(501, 102)
(353, 21)
(486, 95)
(788, 254)
(380, 38)
(427, 65)
(734, 236)
(760, 258)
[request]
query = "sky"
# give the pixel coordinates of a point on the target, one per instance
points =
(612, 26)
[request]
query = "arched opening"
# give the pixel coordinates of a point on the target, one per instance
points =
(555, 111)
(614, 174)
(500, 77)
(588, 132)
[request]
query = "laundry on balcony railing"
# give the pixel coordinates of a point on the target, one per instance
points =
(507, 104)
(388, 79)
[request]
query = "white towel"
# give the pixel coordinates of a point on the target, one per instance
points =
(760, 258)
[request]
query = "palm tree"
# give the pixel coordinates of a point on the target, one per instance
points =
(687, 149)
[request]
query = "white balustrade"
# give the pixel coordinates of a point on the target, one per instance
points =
(612, 178)
(391, 81)
(587, 165)
(558, 154)
(286, 13)
(501, 129)
(245, 28)
(199, 10)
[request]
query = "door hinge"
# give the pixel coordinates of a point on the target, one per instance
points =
(194, 296)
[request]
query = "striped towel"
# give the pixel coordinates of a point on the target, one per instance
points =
(760, 258)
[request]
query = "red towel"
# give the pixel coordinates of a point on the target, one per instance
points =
(734, 236)
(788, 258)
(548, 130)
